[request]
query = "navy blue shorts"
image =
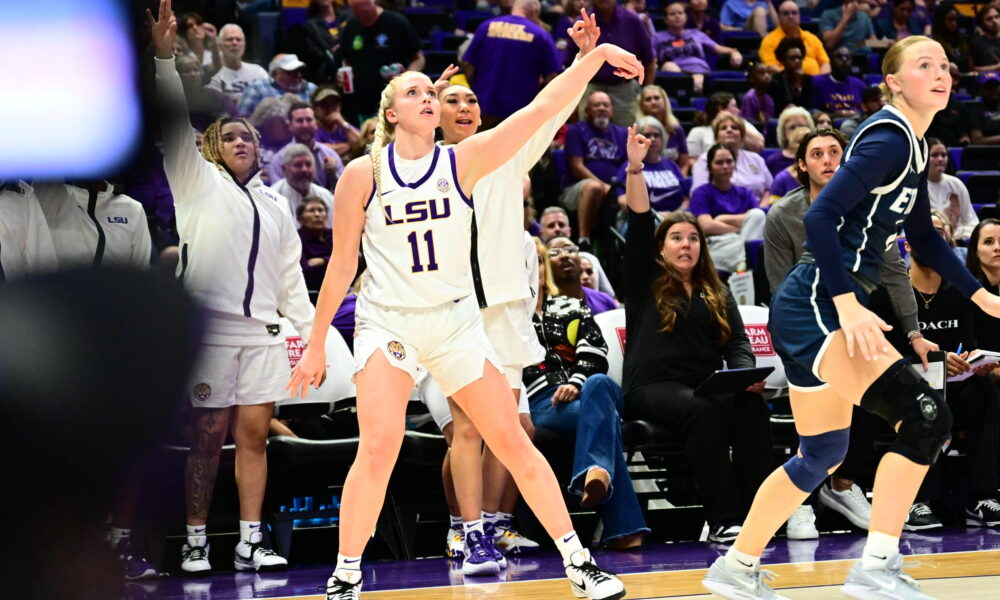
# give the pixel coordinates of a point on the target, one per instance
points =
(802, 320)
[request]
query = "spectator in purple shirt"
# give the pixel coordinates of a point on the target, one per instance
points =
(698, 18)
(653, 102)
(595, 149)
(757, 105)
(334, 130)
(568, 276)
(302, 124)
(727, 213)
(837, 92)
(684, 50)
(317, 247)
(790, 119)
(622, 28)
(668, 188)
(787, 179)
(509, 58)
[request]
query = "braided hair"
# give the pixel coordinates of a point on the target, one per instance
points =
(211, 148)
(384, 133)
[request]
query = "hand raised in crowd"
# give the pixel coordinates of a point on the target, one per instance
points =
(637, 147)
(164, 30)
(567, 392)
(585, 33)
(443, 81)
(211, 34)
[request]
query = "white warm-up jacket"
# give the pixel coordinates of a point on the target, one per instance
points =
(239, 249)
(25, 242)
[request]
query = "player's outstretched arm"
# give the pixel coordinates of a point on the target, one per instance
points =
(485, 152)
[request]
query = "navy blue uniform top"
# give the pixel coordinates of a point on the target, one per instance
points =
(881, 185)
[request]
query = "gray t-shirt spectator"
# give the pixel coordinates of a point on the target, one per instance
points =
(857, 30)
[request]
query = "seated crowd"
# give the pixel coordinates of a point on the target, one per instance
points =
(716, 182)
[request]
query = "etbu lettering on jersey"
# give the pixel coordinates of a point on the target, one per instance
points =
(420, 210)
(904, 203)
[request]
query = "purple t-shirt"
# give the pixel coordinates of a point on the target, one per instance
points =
(603, 152)
(710, 200)
(598, 301)
(624, 30)
(687, 50)
(676, 143)
(510, 54)
(710, 27)
(330, 137)
(778, 162)
(837, 97)
(784, 182)
(754, 104)
(666, 184)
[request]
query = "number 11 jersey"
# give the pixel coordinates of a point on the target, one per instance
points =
(417, 241)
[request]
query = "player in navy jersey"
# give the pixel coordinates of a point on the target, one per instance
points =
(833, 348)
(408, 204)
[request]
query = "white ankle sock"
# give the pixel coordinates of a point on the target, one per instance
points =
(197, 535)
(878, 549)
(250, 532)
(568, 544)
(502, 516)
(456, 522)
(490, 518)
(348, 563)
(476, 525)
(741, 561)
(116, 535)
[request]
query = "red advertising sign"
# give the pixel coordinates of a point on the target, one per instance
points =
(295, 346)
(760, 339)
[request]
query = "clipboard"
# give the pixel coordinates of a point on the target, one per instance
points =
(732, 381)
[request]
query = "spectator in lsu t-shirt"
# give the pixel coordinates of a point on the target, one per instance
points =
(302, 124)
(235, 74)
(838, 93)
(816, 61)
(299, 167)
(595, 150)
(564, 256)
(509, 58)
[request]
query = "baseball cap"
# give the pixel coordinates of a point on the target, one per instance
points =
(324, 93)
(286, 62)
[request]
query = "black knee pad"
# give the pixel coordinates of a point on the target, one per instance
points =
(900, 395)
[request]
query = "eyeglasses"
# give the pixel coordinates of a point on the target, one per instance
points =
(567, 250)
(653, 134)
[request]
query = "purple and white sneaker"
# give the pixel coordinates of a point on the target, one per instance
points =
(489, 539)
(479, 559)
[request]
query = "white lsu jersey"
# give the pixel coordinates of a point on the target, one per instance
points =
(417, 242)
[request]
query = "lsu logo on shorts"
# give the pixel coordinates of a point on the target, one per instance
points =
(397, 350)
(202, 392)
